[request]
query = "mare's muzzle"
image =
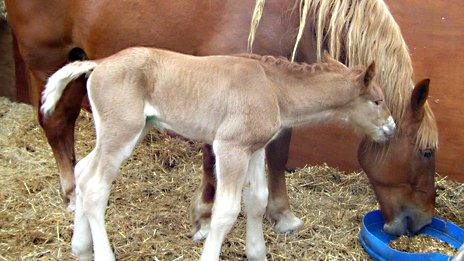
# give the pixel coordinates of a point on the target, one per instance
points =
(408, 222)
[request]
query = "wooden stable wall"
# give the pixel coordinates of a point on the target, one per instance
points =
(434, 32)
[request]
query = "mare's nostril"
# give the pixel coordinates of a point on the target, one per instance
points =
(409, 225)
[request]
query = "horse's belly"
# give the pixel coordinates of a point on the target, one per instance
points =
(187, 124)
(195, 132)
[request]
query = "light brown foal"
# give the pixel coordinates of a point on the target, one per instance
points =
(238, 104)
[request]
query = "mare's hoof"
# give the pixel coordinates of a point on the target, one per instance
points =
(71, 206)
(201, 233)
(288, 224)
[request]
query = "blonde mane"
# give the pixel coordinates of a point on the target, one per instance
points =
(360, 32)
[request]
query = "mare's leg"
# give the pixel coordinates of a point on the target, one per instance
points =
(255, 204)
(116, 140)
(204, 198)
(231, 167)
(278, 208)
(59, 130)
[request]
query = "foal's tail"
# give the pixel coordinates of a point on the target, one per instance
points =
(58, 82)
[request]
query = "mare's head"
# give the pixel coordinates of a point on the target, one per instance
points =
(368, 111)
(402, 170)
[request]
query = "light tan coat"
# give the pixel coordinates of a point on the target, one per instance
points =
(236, 103)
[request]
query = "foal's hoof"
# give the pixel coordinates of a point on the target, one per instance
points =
(88, 257)
(288, 223)
(201, 233)
(82, 255)
(71, 205)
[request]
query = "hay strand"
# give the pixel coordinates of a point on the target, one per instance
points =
(257, 13)
(304, 7)
(2, 10)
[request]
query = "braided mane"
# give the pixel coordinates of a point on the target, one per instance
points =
(293, 67)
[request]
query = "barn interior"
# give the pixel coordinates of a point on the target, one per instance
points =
(148, 215)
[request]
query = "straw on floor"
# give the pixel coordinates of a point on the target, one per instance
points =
(148, 213)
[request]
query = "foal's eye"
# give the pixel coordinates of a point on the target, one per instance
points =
(426, 153)
(377, 102)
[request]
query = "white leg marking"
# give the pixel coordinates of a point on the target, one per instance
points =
(95, 199)
(231, 165)
(81, 242)
(93, 188)
(255, 204)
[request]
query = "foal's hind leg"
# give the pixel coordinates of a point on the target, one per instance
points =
(278, 209)
(117, 135)
(93, 188)
(82, 239)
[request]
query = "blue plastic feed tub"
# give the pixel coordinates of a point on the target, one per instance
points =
(375, 241)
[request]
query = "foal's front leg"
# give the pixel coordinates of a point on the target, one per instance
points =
(255, 204)
(231, 167)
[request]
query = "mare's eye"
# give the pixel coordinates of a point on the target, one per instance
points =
(426, 153)
(377, 102)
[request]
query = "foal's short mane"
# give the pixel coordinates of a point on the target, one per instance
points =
(359, 32)
(292, 67)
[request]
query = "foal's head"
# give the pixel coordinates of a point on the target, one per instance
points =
(368, 111)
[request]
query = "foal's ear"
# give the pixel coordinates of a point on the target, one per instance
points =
(364, 75)
(419, 95)
(370, 74)
(327, 58)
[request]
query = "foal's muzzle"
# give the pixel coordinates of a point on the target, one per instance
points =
(387, 129)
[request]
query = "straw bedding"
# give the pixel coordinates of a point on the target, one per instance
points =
(148, 213)
(2, 10)
(417, 243)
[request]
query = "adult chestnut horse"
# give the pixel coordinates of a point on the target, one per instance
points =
(53, 32)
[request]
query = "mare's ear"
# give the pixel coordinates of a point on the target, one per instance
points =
(327, 58)
(419, 96)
